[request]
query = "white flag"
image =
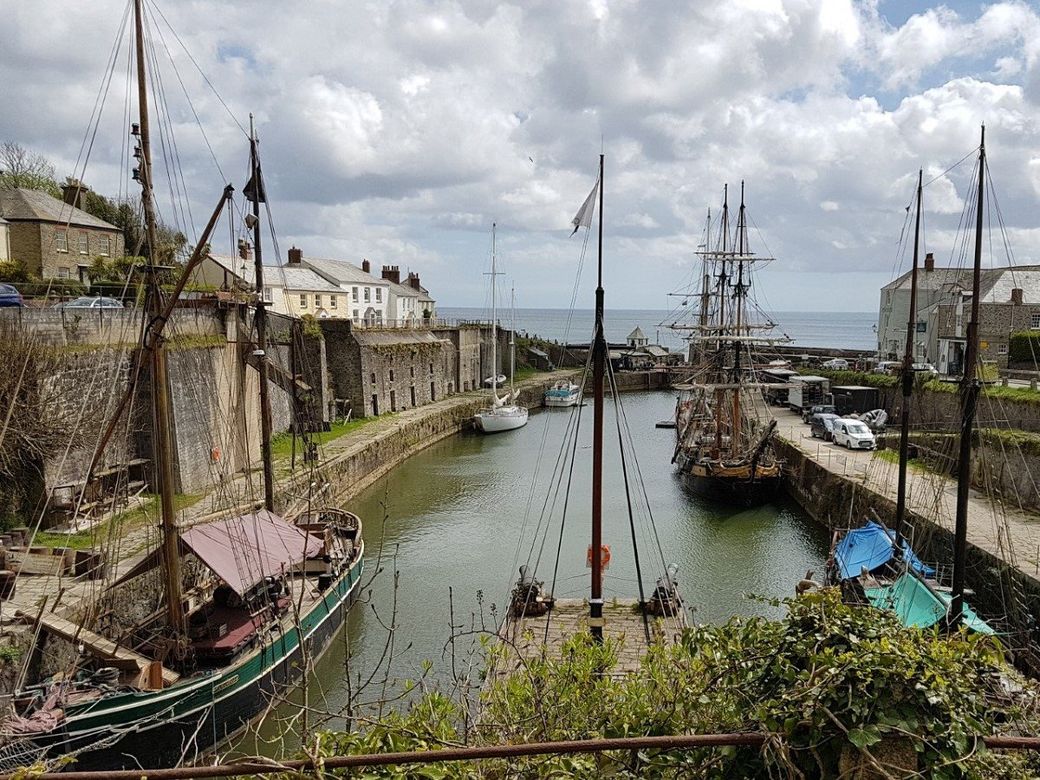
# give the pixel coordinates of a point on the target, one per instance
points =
(584, 216)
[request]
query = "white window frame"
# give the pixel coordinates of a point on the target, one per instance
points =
(368, 295)
(269, 295)
(106, 246)
(332, 301)
(303, 300)
(317, 300)
(354, 294)
(356, 315)
(1002, 349)
(1034, 322)
(83, 242)
(379, 295)
(64, 272)
(61, 241)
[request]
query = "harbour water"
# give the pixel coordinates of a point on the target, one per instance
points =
(450, 521)
(842, 330)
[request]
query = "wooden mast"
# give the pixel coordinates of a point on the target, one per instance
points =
(908, 380)
(738, 305)
(599, 359)
(256, 195)
(719, 394)
(494, 327)
(161, 444)
(969, 400)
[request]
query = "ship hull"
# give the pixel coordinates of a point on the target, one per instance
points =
(502, 419)
(738, 491)
(169, 727)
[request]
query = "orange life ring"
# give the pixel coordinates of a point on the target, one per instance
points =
(604, 556)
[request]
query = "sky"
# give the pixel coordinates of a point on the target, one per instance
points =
(399, 130)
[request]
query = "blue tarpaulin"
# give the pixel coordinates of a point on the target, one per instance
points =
(915, 604)
(869, 547)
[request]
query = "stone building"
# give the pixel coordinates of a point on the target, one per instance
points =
(1010, 302)
(936, 288)
(387, 370)
(56, 239)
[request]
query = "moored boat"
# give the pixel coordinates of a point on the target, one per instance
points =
(562, 393)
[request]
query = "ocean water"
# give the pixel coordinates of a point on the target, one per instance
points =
(841, 330)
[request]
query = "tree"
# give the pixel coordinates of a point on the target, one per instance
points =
(20, 167)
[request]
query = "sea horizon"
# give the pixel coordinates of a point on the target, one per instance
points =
(837, 330)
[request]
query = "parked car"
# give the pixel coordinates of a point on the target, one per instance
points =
(807, 414)
(853, 434)
(91, 302)
(924, 368)
(821, 426)
(9, 296)
(836, 364)
(887, 367)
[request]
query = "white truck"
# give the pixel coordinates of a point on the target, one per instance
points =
(804, 391)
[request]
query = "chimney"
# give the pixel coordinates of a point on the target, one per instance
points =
(413, 282)
(392, 273)
(366, 266)
(929, 262)
(245, 249)
(72, 192)
(1016, 296)
(295, 256)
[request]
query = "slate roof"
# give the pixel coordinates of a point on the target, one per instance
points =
(341, 271)
(386, 338)
(21, 205)
(636, 334)
(995, 283)
(296, 278)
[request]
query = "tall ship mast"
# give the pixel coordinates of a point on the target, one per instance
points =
(723, 425)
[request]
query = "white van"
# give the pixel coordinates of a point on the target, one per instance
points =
(853, 434)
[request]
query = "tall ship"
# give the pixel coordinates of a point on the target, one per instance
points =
(724, 428)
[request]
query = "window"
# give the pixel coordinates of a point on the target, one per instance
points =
(268, 294)
(61, 241)
(379, 295)
(63, 272)
(1034, 322)
(317, 301)
(353, 294)
(1002, 349)
(106, 246)
(391, 375)
(393, 401)
(332, 301)
(411, 371)
(84, 246)
(355, 315)
(303, 300)
(413, 394)
(431, 368)
(368, 294)
(372, 376)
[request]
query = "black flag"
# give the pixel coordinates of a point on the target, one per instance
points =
(254, 189)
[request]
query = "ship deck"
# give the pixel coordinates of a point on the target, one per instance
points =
(623, 624)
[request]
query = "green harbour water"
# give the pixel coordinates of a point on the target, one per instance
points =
(449, 522)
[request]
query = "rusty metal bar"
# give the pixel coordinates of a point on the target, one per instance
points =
(668, 742)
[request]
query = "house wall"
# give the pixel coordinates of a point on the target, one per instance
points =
(35, 244)
(5, 242)
(997, 321)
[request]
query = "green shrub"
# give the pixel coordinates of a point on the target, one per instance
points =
(1024, 347)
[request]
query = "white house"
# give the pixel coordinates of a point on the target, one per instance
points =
(5, 241)
(365, 298)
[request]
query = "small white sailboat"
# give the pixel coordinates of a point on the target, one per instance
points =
(562, 393)
(504, 414)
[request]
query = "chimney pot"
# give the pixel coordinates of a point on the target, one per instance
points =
(295, 256)
(1017, 296)
(413, 281)
(392, 274)
(929, 262)
(366, 266)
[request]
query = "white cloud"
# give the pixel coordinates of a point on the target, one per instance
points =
(400, 133)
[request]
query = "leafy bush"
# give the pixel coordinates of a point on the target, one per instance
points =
(826, 683)
(861, 378)
(1024, 347)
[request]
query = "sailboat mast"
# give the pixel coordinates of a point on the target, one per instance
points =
(703, 316)
(512, 338)
(260, 318)
(161, 445)
(738, 305)
(969, 400)
(494, 326)
(599, 359)
(908, 378)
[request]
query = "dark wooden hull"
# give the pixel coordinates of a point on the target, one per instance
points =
(737, 491)
(210, 711)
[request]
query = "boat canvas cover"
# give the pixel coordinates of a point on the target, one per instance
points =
(869, 547)
(917, 605)
(243, 550)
